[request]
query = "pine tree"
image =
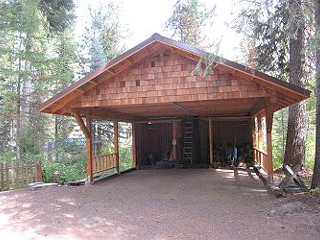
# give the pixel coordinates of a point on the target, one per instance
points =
(276, 30)
(188, 20)
(101, 40)
(316, 169)
(101, 43)
(297, 129)
(26, 63)
(23, 58)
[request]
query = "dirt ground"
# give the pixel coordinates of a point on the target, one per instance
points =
(160, 204)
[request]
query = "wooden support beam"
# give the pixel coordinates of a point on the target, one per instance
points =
(260, 135)
(86, 129)
(106, 114)
(141, 145)
(174, 141)
(116, 144)
(79, 90)
(253, 130)
(186, 110)
(89, 150)
(161, 120)
(83, 127)
(110, 71)
(211, 141)
(269, 121)
(254, 137)
(93, 83)
(258, 107)
(226, 118)
(134, 145)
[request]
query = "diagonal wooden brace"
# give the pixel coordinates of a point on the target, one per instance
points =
(83, 127)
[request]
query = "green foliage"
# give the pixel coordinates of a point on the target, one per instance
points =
(188, 20)
(101, 41)
(315, 192)
(68, 157)
(6, 154)
(68, 172)
(125, 156)
(38, 58)
(58, 13)
(279, 133)
(269, 27)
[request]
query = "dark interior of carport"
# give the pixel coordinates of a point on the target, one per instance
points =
(154, 142)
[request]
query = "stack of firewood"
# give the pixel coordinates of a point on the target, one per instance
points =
(245, 155)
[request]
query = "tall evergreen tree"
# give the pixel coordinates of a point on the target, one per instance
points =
(101, 43)
(58, 13)
(26, 61)
(188, 21)
(297, 129)
(101, 40)
(277, 30)
(316, 169)
(23, 59)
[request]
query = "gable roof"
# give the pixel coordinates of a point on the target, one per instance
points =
(122, 62)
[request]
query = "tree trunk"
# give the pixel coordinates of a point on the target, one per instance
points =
(18, 106)
(56, 138)
(316, 169)
(26, 88)
(296, 135)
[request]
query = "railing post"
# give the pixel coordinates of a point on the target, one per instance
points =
(2, 178)
(17, 175)
(8, 177)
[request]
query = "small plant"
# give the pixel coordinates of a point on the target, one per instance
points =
(315, 192)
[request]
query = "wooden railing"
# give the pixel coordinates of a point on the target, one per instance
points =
(18, 175)
(260, 157)
(104, 162)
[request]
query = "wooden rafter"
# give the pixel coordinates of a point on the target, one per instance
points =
(258, 107)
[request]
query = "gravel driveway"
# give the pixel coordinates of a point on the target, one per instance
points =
(158, 204)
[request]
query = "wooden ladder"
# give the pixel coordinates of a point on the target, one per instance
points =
(187, 140)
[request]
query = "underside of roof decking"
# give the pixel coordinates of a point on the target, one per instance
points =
(153, 80)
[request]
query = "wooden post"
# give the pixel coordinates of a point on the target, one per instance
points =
(87, 131)
(2, 177)
(260, 135)
(211, 141)
(116, 144)
(253, 127)
(17, 175)
(8, 177)
(269, 164)
(12, 175)
(22, 174)
(254, 138)
(40, 172)
(31, 171)
(174, 140)
(89, 149)
(134, 145)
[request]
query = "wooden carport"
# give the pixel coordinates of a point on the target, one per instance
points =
(152, 83)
